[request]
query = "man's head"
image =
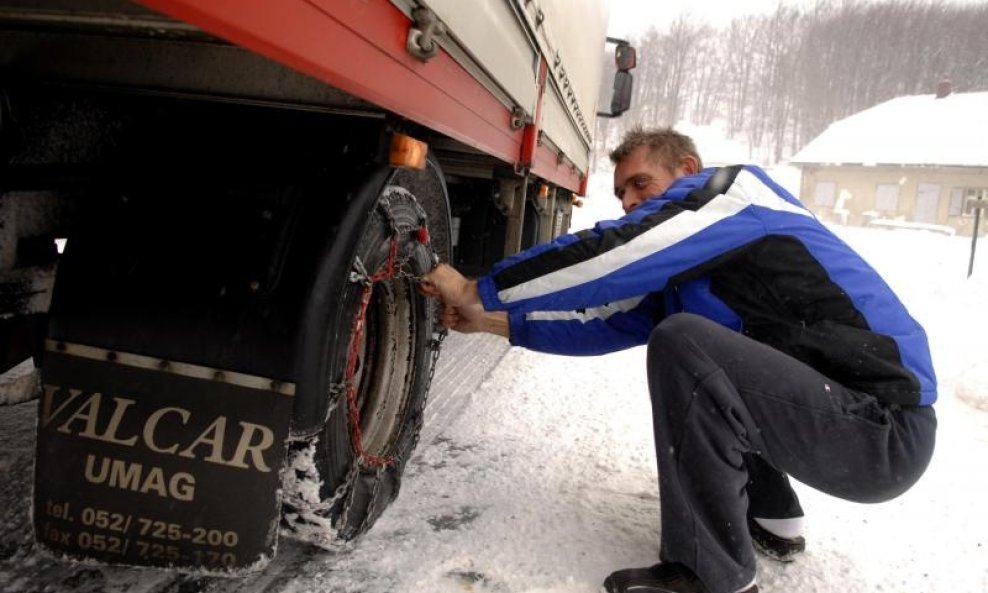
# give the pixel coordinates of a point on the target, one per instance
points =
(648, 161)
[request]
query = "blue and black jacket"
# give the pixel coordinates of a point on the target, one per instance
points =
(733, 246)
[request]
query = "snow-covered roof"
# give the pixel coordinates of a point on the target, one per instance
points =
(911, 130)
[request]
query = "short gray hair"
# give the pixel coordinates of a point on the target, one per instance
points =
(666, 147)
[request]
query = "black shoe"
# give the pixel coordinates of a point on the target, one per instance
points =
(661, 578)
(775, 547)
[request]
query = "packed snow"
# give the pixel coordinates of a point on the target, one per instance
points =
(544, 480)
(547, 482)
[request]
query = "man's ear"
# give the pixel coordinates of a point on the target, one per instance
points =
(690, 164)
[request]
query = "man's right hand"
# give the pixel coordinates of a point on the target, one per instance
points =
(468, 319)
(462, 309)
(473, 318)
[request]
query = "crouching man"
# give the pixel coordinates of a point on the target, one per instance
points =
(773, 350)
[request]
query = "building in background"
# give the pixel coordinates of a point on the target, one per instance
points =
(911, 161)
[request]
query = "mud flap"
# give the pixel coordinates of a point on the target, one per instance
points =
(148, 462)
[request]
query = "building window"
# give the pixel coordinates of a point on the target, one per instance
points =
(956, 207)
(824, 194)
(960, 196)
(927, 203)
(887, 197)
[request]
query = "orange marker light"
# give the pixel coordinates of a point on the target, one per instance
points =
(407, 152)
(543, 191)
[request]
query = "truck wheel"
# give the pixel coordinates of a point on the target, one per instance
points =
(373, 359)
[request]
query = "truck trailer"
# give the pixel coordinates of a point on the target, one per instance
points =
(213, 215)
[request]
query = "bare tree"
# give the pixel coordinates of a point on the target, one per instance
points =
(780, 79)
(739, 71)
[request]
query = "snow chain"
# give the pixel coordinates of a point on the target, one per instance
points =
(392, 269)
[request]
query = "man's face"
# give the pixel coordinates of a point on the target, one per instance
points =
(637, 178)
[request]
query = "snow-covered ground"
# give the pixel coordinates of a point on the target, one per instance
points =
(544, 480)
(547, 482)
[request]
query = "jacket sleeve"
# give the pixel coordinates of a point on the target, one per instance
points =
(668, 237)
(608, 328)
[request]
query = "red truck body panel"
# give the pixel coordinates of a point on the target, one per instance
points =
(358, 46)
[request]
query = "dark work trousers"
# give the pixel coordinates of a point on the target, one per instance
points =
(769, 494)
(721, 402)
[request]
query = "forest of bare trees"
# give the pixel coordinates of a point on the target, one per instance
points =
(775, 81)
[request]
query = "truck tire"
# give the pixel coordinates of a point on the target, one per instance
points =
(339, 481)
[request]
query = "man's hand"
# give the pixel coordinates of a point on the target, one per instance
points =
(462, 309)
(451, 287)
(473, 318)
(467, 319)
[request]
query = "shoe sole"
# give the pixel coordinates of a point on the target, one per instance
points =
(772, 554)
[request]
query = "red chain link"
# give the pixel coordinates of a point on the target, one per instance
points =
(356, 437)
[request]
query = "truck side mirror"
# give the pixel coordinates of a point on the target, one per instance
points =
(625, 58)
(621, 100)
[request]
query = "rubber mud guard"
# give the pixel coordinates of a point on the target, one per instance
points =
(154, 463)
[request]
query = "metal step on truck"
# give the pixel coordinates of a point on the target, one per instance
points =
(213, 215)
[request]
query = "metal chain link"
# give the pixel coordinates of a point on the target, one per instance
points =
(375, 493)
(309, 512)
(335, 392)
(436, 344)
(394, 267)
(341, 490)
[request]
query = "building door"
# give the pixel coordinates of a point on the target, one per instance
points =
(927, 200)
(823, 194)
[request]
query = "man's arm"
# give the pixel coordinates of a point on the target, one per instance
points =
(674, 236)
(604, 329)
